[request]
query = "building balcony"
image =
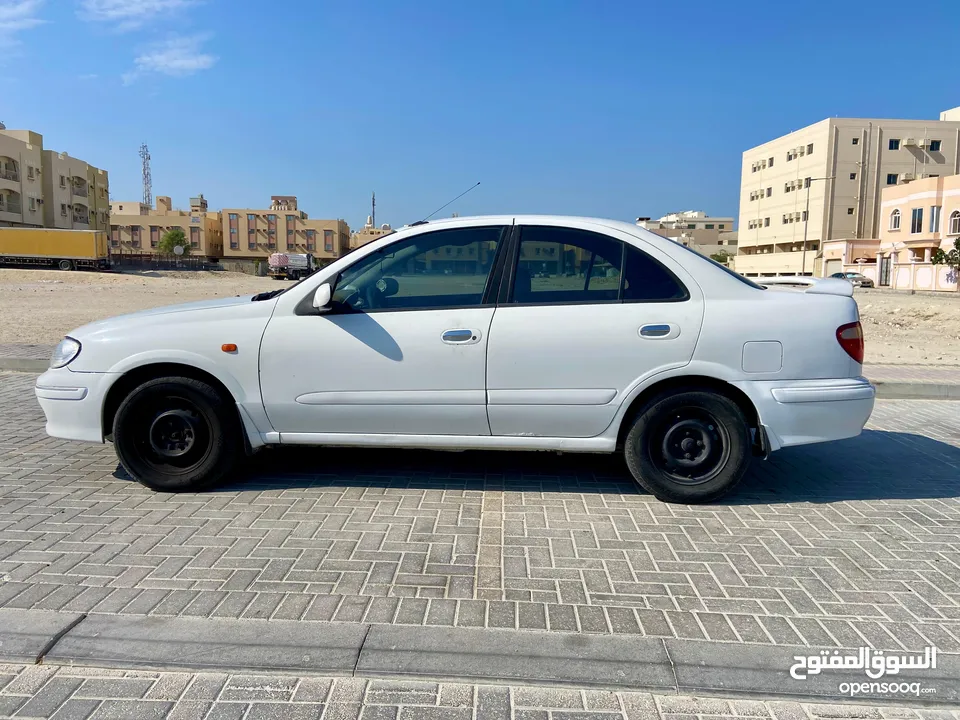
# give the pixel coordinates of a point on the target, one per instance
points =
(10, 204)
(80, 191)
(9, 174)
(81, 219)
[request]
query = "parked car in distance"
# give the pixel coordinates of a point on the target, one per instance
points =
(509, 333)
(857, 279)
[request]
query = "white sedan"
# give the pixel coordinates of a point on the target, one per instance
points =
(508, 333)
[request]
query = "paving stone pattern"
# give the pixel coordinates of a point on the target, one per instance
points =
(849, 544)
(75, 693)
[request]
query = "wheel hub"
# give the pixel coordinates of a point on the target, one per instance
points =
(173, 433)
(688, 443)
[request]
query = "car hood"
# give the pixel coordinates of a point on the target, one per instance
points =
(142, 315)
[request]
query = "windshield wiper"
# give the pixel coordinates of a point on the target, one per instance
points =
(267, 295)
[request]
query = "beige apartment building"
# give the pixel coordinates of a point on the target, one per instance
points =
(824, 182)
(915, 220)
(283, 227)
(44, 188)
(136, 228)
(368, 233)
(696, 230)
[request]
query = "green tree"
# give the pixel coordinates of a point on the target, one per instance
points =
(721, 257)
(951, 259)
(171, 238)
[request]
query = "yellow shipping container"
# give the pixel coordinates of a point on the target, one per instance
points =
(65, 249)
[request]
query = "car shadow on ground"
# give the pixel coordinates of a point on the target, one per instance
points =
(878, 465)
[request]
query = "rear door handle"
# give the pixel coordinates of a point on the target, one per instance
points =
(659, 330)
(460, 337)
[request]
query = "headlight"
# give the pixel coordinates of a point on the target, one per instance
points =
(64, 353)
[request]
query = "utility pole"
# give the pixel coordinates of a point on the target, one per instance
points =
(373, 210)
(806, 224)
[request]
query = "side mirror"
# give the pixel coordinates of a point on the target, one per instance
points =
(322, 297)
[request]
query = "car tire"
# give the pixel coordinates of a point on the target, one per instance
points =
(688, 446)
(65, 265)
(177, 434)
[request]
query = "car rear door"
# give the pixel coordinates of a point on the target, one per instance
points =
(582, 316)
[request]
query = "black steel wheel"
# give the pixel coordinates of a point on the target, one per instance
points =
(65, 265)
(688, 446)
(175, 434)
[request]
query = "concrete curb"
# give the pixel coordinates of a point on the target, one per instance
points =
(28, 365)
(683, 667)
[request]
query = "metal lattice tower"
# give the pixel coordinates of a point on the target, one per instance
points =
(147, 180)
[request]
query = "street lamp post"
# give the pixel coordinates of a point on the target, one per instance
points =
(806, 223)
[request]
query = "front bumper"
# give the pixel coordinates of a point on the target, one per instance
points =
(73, 402)
(800, 412)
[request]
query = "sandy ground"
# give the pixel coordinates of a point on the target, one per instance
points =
(40, 306)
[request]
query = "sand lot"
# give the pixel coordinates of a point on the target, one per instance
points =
(39, 306)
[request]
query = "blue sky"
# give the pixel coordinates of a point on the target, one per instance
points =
(599, 107)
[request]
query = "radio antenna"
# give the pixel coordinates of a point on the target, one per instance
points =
(420, 222)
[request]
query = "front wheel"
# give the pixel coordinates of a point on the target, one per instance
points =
(690, 446)
(176, 434)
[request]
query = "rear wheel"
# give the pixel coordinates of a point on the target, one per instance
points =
(689, 446)
(176, 434)
(65, 265)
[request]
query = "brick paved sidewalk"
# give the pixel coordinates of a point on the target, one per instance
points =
(78, 693)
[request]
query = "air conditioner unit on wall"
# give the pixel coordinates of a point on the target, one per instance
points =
(907, 177)
(910, 142)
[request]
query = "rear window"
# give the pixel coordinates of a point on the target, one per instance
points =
(728, 271)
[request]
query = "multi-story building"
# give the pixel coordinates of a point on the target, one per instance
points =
(368, 233)
(44, 188)
(823, 182)
(696, 230)
(136, 228)
(253, 234)
(915, 220)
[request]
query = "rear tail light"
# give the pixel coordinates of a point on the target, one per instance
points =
(850, 337)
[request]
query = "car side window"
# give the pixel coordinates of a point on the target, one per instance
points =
(430, 271)
(566, 266)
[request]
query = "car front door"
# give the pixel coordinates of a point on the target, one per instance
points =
(403, 349)
(583, 316)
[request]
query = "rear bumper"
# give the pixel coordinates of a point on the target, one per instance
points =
(801, 412)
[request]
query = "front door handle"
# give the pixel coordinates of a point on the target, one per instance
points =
(460, 337)
(659, 330)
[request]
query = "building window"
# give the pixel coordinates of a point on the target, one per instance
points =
(769, 191)
(892, 178)
(272, 218)
(30, 168)
(935, 219)
(934, 146)
(195, 237)
(708, 226)
(63, 209)
(955, 222)
(849, 211)
(234, 241)
(806, 182)
(233, 216)
(766, 223)
(328, 240)
(311, 239)
(853, 176)
(810, 149)
(251, 218)
(916, 221)
(770, 162)
(135, 236)
(895, 220)
(803, 215)
(720, 226)
(33, 204)
(154, 236)
(63, 181)
(114, 236)
(894, 144)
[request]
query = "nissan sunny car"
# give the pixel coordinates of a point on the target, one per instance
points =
(510, 333)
